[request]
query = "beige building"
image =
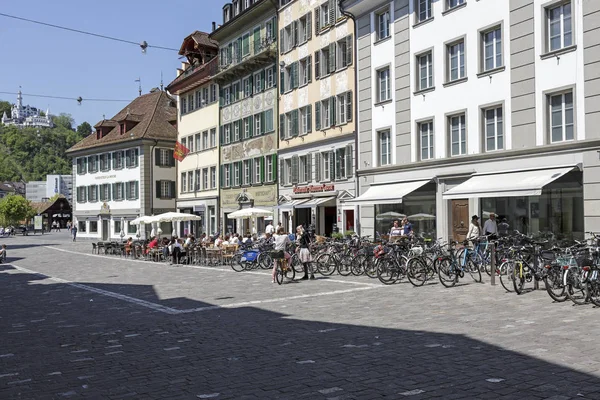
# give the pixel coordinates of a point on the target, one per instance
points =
(198, 131)
(317, 117)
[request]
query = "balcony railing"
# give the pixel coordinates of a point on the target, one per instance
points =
(255, 48)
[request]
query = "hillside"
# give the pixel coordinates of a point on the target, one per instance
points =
(31, 153)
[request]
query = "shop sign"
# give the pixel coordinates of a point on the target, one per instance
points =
(106, 177)
(313, 189)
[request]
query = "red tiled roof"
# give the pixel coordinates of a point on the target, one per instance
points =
(156, 111)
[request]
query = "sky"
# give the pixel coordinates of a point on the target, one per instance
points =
(49, 61)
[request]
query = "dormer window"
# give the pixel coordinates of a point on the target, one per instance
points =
(122, 128)
(98, 134)
(226, 13)
(237, 7)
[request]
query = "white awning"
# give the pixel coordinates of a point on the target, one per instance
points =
(506, 184)
(315, 202)
(390, 193)
(292, 204)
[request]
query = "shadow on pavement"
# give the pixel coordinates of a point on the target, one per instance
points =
(61, 341)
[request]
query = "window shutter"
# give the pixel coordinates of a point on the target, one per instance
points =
(294, 170)
(295, 78)
(173, 189)
(317, 20)
(172, 158)
(318, 116)
(108, 197)
(262, 170)
(221, 135)
(349, 106)
(84, 165)
(282, 81)
(309, 167)
(221, 97)
(89, 192)
(127, 189)
(317, 167)
(332, 110)
(262, 80)
(309, 118)
(157, 157)
(282, 127)
(332, 165)
(309, 25)
(108, 160)
(294, 123)
(221, 176)
(317, 64)
(332, 47)
(309, 68)
(349, 163)
(349, 52)
(263, 125)
(251, 123)
(274, 167)
(114, 191)
(332, 7)
(295, 33)
(281, 42)
(158, 191)
(282, 170)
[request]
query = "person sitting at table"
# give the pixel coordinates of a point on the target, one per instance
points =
(128, 246)
(235, 239)
(218, 241)
(176, 249)
(152, 245)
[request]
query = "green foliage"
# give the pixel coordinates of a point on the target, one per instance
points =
(84, 129)
(15, 208)
(63, 120)
(30, 154)
(349, 233)
(337, 235)
(5, 106)
(54, 198)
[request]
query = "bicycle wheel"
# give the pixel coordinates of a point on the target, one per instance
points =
(593, 292)
(279, 275)
(473, 270)
(358, 264)
(479, 261)
(236, 263)
(506, 274)
(575, 287)
(370, 266)
(417, 271)
(290, 273)
(265, 261)
(345, 266)
(385, 272)
(447, 272)
(326, 264)
(519, 276)
(554, 285)
(400, 268)
(296, 264)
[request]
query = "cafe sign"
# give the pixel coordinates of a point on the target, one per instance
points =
(313, 189)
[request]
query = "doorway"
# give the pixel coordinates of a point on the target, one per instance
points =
(460, 219)
(330, 214)
(105, 229)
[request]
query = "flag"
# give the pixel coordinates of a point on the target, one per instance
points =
(180, 151)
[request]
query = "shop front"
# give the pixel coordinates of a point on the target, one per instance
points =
(264, 197)
(206, 209)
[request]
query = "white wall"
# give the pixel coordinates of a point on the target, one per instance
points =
(469, 95)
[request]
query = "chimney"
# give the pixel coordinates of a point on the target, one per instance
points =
(214, 26)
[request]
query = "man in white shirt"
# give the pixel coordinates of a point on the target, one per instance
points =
(269, 229)
(490, 227)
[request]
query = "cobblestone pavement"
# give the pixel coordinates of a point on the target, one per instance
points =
(75, 325)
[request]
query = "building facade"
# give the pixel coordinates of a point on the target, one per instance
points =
(126, 169)
(41, 191)
(316, 121)
(494, 108)
(198, 131)
(27, 116)
(247, 80)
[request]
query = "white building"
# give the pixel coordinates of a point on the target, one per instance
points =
(486, 106)
(126, 169)
(27, 116)
(54, 184)
(198, 131)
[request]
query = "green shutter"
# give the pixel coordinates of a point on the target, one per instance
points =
(282, 81)
(262, 170)
(309, 118)
(332, 111)
(317, 20)
(317, 167)
(309, 25)
(317, 64)
(349, 53)
(295, 123)
(274, 167)
(332, 47)
(282, 127)
(251, 125)
(309, 67)
(349, 163)
(318, 116)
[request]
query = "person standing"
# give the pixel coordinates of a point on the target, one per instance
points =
(74, 232)
(503, 228)
(281, 242)
(490, 227)
(474, 229)
(395, 232)
(305, 258)
(269, 229)
(407, 227)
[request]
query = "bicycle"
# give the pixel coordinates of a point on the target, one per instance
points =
(450, 268)
(282, 269)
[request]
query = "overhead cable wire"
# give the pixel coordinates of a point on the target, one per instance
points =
(143, 45)
(78, 99)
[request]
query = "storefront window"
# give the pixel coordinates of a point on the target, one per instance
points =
(117, 227)
(131, 229)
(81, 227)
(557, 213)
(420, 208)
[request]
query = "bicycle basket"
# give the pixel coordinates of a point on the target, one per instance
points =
(416, 251)
(250, 256)
(547, 255)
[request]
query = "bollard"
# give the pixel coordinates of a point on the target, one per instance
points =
(493, 264)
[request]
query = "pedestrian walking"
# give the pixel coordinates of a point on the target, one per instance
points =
(74, 232)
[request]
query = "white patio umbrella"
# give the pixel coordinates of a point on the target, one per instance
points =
(421, 217)
(390, 215)
(249, 213)
(174, 217)
(142, 220)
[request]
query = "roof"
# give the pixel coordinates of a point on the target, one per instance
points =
(43, 206)
(7, 188)
(155, 112)
(201, 39)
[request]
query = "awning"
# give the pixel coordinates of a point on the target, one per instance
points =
(315, 202)
(506, 184)
(390, 193)
(293, 203)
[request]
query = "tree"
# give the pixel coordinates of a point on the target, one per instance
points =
(15, 208)
(84, 130)
(64, 120)
(5, 106)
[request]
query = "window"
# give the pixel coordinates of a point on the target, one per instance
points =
(559, 27)
(323, 63)
(305, 71)
(340, 163)
(132, 190)
(247, 172)
(81, 194)
(491, 42)
(81, 226)
(197, 179)
(227, 96)
(204, 140)
(304, 28)
(426, 140)
(164, 159)
(191, 186)
(325, 114)
(213, 177)
(450, 4)
(204, 179)
(423, 10)
(204, 98)
(93, 226)
(289, 37)
(268, 121)
(246, 44)
(93, 193)
(384, 92)
(197, 139)
(247, 86)
(383, 24)
(117, 226)
(326, 157)
(183, 182)
(304, 169)
(385, 148)
(190, 143)
(227, 177)
(494, 129)
(257, 171)
(306, 119)
(93, 164)
(213, 93)
(324, 15)
(131, 229)
(458, 136)
(105, 162)
(456, 61)
(425, 71)
(248, 127)
(105, 192)
(287, 171)
(270, 72)
(118, 191)
(235, 91)
(236, 131)
(269, 168)
(289, 77)
(258, 82)
(81, 165)
(213, 137)
(236, 174)
(118, 159)
(183, 106)
(199, 97)
(341, 108)
(131, 158)
(165, 190)
(227, 133)
(258, 124)
(191, 103)
(343, 52)
(562, 125)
